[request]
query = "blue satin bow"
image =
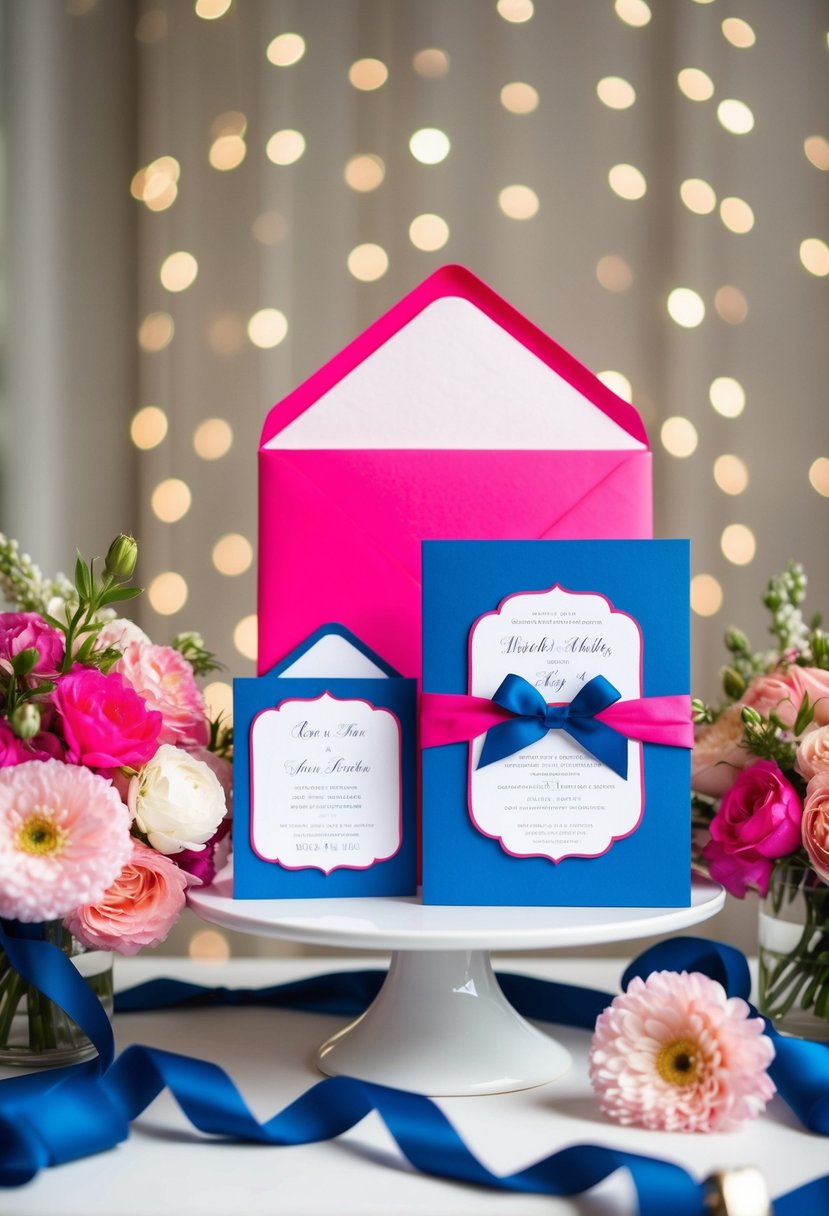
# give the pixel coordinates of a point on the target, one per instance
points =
(534, 717)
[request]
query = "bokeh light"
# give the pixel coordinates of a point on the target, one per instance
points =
(727, 396)
(148, 427)
(518, 202)
(267, 328)
(819, 475)
(211, 10)
(614, 273)
(368, 262)
(731, 304)
(679, 436)
(738, 32)
(431, 63)
(519, 97)
(167, 593)
(218, 697)
(695, 84)
(627, 181)
(368, 74)
(633, 12)
(814, 254)
(156, 332)
(735, 116)
(616, 93)
(515, 11)
(171, 500)
(178, 271)
(429, 145)
(269, 227)
(816, 148)
(245, 636)
(737, 215)
(706, 595)
(686, 307)
(731, 474)
(618, 383)
(213, 438)
(365, 172)
(428, 232)
(209, 946)
(698, 196)
(285, 147)
(286, 50)
(232, 554)
(738, 544)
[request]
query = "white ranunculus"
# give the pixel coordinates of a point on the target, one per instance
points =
(176, 800)
(119, 633)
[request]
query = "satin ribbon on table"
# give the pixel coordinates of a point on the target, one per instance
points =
(517, 716)
(90, 1106)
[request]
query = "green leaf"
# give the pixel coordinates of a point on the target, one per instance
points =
(119, 593)
(23, 662)
(83, 582)
(805, 714)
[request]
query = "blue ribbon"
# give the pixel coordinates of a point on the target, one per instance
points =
(534, 717)
(91, 1105)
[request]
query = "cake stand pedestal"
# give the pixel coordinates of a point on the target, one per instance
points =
(440, 1024)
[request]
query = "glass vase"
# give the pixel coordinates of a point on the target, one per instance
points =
(794, 952)
(34, 1032)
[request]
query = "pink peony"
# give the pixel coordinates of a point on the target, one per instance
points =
(757, 821)
(813, 753)
(64, 836)
(815, 826)
(719, 754)
(105, 723)
(138, 909)
(165, 680)
(25, 631)
(674, 1053)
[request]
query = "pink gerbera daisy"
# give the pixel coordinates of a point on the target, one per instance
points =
(674, 1053)
(64, 837)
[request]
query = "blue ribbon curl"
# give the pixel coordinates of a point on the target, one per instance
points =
(533, 718)
(90, 1106)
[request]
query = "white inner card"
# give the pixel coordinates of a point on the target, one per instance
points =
(454, 379)
(333, 657)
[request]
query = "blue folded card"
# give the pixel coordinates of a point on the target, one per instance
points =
(556, 723)
(324, 775)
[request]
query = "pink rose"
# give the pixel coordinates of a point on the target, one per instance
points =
(757, 821)
(25, 631)
(165, 680)
(138, 909)
(105, 723)
(816, 824)
(813, 753)
(719, 754)
(17, 751)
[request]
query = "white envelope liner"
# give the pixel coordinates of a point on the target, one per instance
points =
(453, 378)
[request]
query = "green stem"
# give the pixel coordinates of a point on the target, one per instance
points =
(13, 990)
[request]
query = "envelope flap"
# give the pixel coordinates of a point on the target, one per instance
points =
(333, 652)
(452, 365)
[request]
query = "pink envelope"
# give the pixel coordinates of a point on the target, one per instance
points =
(452, 417)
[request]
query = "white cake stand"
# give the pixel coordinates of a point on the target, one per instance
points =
(440, 1024)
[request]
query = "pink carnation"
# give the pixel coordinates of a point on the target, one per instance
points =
(138, 909)
(165, 680)
(28, 631)
(758, 820)
(105, 723)
(674, 1053)
(815, 826)
(64, 835)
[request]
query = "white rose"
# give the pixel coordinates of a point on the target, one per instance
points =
(176, 800)
(813, 753)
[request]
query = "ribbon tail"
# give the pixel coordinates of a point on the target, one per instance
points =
(665, 720)
(601, 741)
(509, 737)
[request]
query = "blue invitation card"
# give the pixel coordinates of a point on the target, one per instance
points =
(324, 775)
(556, 723)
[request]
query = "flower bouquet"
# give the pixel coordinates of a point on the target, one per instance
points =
(760, 782)
(114, 783)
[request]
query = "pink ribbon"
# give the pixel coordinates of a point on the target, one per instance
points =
(455, 718)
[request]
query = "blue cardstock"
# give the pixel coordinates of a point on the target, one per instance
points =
(649, 581)
(257, 878)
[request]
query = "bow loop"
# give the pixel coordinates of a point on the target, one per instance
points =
(533, 718)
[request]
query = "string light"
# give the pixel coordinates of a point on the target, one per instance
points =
(695, 84)
(171, 500)
(519, 98)
(213, 438)
(738, 32)
(738, 544)
(156, 332)
(698, 196)
(633, 12)
(365, 172)
(368, 74)
(267, 328)
(814, 254)
(178, 271)
(431, 63)
(735, 116)
(614, 273)
(428, 232)
(727, 396)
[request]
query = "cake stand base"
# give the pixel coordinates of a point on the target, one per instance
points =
(440, 1025)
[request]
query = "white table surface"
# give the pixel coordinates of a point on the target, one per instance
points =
(167, 1167)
